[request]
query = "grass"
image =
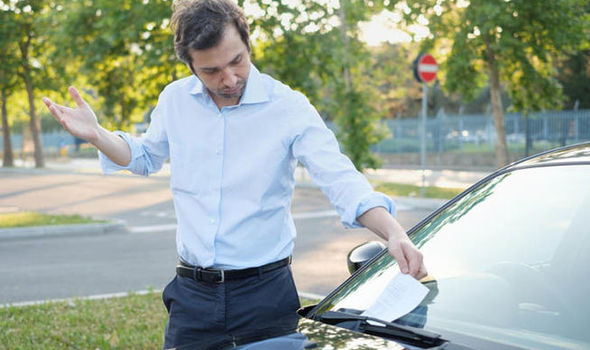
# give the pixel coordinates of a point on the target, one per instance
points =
(406, 190)
(24, 219)
(133, 322)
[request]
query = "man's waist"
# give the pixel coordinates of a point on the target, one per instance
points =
(212, 275)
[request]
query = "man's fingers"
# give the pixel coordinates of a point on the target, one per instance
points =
(76, 96)
(415, 259)
(409, 259)
(53, 108)
(399, 256)
(422, 272)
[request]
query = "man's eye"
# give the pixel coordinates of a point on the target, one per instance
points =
(237, 60)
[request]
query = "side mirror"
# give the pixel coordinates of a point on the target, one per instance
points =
(360, 254)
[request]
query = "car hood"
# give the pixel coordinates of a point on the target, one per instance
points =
(320, 336)
(323, 336)
(303, 334)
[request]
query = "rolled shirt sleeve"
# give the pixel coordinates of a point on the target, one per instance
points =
(349, 191)
(148, 152)
(374, 200)
(109, 167)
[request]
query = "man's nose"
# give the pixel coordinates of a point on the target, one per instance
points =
(228, 77)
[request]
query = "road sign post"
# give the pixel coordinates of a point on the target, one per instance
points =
(425, 69)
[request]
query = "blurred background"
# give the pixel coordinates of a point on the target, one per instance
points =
(513, 80)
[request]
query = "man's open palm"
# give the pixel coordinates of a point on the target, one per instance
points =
(80, 121)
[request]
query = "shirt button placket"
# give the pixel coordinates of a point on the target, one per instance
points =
(219, 163)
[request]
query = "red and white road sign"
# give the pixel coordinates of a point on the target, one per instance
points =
(425, 68)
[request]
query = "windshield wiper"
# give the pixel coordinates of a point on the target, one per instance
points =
(410, 335)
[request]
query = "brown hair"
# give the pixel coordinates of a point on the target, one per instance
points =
(199, 24)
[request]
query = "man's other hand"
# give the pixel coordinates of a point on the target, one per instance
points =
(81, 121)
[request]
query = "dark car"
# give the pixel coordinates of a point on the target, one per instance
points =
(509, 268)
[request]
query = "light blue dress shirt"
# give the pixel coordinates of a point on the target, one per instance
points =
(232, 170)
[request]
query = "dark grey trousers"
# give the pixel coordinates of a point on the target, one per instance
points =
(216, 315)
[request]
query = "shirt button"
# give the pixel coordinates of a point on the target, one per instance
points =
(218, 152)
(212, 221)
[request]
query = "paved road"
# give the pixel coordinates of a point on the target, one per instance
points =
(145, 255)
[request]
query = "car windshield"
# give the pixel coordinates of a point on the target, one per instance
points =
(509, 263)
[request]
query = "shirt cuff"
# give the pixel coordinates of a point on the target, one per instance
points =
(374, 200)
(108, 166)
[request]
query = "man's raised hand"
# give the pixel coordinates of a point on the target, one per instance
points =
(81, 121)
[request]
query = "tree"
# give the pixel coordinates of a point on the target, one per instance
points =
(315, 47)
(574, 76)
(30, 26)
(514, 43)
(125, 49)
(8, 80)
(401, 95)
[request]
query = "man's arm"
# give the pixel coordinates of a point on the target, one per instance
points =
(408, 257)
(348, 190)
(81, 122)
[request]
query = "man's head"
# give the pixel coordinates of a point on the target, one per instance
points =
(199, 24)
(212, 38)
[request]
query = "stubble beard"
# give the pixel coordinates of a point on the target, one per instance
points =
(222, 93)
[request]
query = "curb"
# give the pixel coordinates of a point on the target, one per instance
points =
(305, 295)
(60, 230)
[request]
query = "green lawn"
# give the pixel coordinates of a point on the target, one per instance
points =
(133, 322)
(23, 219)
(405, 190)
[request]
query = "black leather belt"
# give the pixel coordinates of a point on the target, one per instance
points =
(219, 276)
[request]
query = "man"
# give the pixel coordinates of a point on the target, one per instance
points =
(234, 136)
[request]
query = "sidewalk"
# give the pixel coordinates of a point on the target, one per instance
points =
(436, 177)
(432, 177)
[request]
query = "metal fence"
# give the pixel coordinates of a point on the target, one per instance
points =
(446, 133)
(50, 140)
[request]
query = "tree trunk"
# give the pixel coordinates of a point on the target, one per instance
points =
(494, 76)
(8, 158)
(35, 124)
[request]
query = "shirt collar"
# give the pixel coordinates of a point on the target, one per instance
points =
(256, 90)
(197, 88)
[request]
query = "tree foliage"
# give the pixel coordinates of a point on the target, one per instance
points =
(121, 53)
(574, 76)
(315, 47)
(514, 43)
(124, 48)
(8, 79)
(30, 28)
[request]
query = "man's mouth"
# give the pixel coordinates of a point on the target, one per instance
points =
(232, 91)
(235, 90)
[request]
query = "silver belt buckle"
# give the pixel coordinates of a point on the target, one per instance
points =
(222, 276)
